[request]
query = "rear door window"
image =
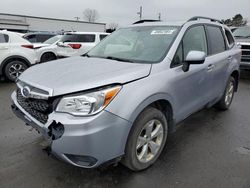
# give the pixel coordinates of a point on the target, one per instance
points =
(86, 38)
(78, 38)
(216, 40)
(4, 38)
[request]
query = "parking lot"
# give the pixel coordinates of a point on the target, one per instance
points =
(210, 149)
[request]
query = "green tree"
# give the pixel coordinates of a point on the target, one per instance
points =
(236, 21)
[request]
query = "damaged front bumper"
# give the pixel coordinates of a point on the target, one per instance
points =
(81, 141)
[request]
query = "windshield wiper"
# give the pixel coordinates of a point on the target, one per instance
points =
(109, 57)
(119, 59)
(85, 55)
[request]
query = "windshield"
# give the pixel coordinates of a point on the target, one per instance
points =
(53, 39)
(147, 44)
(242, 32)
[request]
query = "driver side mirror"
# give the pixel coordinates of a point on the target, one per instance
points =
(193, 57)
(61, 44)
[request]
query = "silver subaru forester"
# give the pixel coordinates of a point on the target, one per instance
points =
(120, 101)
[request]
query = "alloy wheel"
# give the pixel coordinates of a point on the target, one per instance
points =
(149, 141)
(229, 93)
(16, 70)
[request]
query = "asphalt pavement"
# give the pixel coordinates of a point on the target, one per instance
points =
(210, 149)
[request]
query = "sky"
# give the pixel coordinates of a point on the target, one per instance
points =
(125, 12)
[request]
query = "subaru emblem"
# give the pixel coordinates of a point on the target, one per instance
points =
(25, 92)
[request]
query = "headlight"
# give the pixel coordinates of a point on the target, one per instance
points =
(89, 103)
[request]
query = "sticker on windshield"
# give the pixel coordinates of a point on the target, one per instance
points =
(163, 32)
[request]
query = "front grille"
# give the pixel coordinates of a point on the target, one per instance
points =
(247, 47)
(245, 52)
(37, 108)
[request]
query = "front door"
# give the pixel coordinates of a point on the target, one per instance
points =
(193, 88)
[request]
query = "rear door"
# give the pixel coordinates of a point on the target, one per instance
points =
(220, 58)
(4, 46)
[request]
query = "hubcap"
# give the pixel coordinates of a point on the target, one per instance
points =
(229, 93)
(16, 70)
(149, 141)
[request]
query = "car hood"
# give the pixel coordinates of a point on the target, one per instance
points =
(81, 73)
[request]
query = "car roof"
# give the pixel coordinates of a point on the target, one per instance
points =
(40, 33)
(179, 23)
(160, 23)
(9, 32)
(80, 32)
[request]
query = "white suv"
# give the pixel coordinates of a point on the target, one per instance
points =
(16, 55)
(47, 51)
(78, 43)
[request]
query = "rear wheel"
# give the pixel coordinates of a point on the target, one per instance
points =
(228, 95)
(146, 140)
(48, 57)
(14, 69)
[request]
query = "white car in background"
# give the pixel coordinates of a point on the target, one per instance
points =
(78, 43)
(16, 55)
(47, 51)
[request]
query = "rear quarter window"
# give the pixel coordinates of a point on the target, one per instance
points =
(230, 38)
(4, 38)
(31, 38)
(103, 36)
(216, 40)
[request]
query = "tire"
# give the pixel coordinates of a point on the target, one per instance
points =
(14, 69)
(228, 95)
(48, 57)
(134, 158)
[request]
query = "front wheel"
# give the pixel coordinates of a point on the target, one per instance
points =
(228, 95)
(146, 140)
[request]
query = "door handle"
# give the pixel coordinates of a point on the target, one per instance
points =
(210, 67)
(230, 58)
(4, 48)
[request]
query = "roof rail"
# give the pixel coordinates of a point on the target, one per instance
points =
(143, 21)
(205, 18)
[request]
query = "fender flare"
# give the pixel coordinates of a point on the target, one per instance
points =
(50, 52)
(150, 100)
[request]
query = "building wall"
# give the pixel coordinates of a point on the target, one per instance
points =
(56, 25)
(22, 23)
